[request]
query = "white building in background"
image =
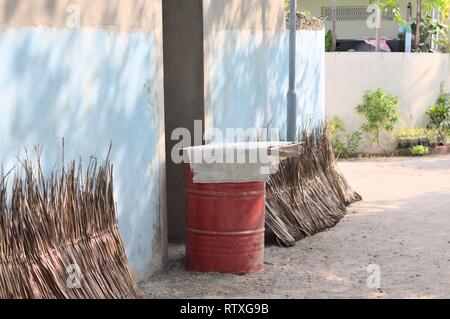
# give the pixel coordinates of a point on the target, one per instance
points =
(352, 17)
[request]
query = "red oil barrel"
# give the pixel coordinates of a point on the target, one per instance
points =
(225, 227)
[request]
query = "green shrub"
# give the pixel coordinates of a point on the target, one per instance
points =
(444, 97)
(382, 113)
(328, 41)
(339, 148)
(335, 126)
(412, 132)
(420, 150)
(344, 144)
(439, 115)
(353, 143)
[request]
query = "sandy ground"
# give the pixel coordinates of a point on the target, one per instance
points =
(402, 226)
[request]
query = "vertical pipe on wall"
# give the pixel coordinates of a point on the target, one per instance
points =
(378, 28)
(418, 23)
(292, 96)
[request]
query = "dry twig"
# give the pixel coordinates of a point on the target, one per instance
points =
(48, 225)
(308, 194)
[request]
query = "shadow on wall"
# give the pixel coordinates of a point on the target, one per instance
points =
(244, 15)
(248, 79)
(91, 87)
(247, 68)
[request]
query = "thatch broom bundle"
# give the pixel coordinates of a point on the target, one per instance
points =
(59, 236)
(308, 194)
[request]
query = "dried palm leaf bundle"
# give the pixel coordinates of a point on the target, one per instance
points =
(59, 237)
(308, 194)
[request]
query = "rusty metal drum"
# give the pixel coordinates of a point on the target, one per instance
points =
(225, 226)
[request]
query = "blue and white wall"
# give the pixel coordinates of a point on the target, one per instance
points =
(247, 68)
(91, 72)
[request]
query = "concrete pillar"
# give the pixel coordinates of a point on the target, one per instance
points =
(183, 94)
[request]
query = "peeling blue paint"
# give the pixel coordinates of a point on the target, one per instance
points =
(91, 87)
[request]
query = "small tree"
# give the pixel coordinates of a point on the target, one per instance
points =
(424, 7)
(382, 113)
(439, 115)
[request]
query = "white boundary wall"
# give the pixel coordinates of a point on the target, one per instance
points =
(414, 78)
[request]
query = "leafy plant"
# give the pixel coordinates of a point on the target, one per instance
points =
(412, 132)
(428, 26)
(443, 44)
(409, 137)
(353, 143)
(335, 126)
(439, 115)
(444, 97)
(382, 113)
(391, 6)
(344, 144)
(338, 148)
(419, 150)
(328, 41)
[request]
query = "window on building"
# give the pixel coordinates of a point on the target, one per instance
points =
(351, 14)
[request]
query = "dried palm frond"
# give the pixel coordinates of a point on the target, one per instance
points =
(308, 194)
(59, 236)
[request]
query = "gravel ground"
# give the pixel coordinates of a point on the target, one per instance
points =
(402, 226)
